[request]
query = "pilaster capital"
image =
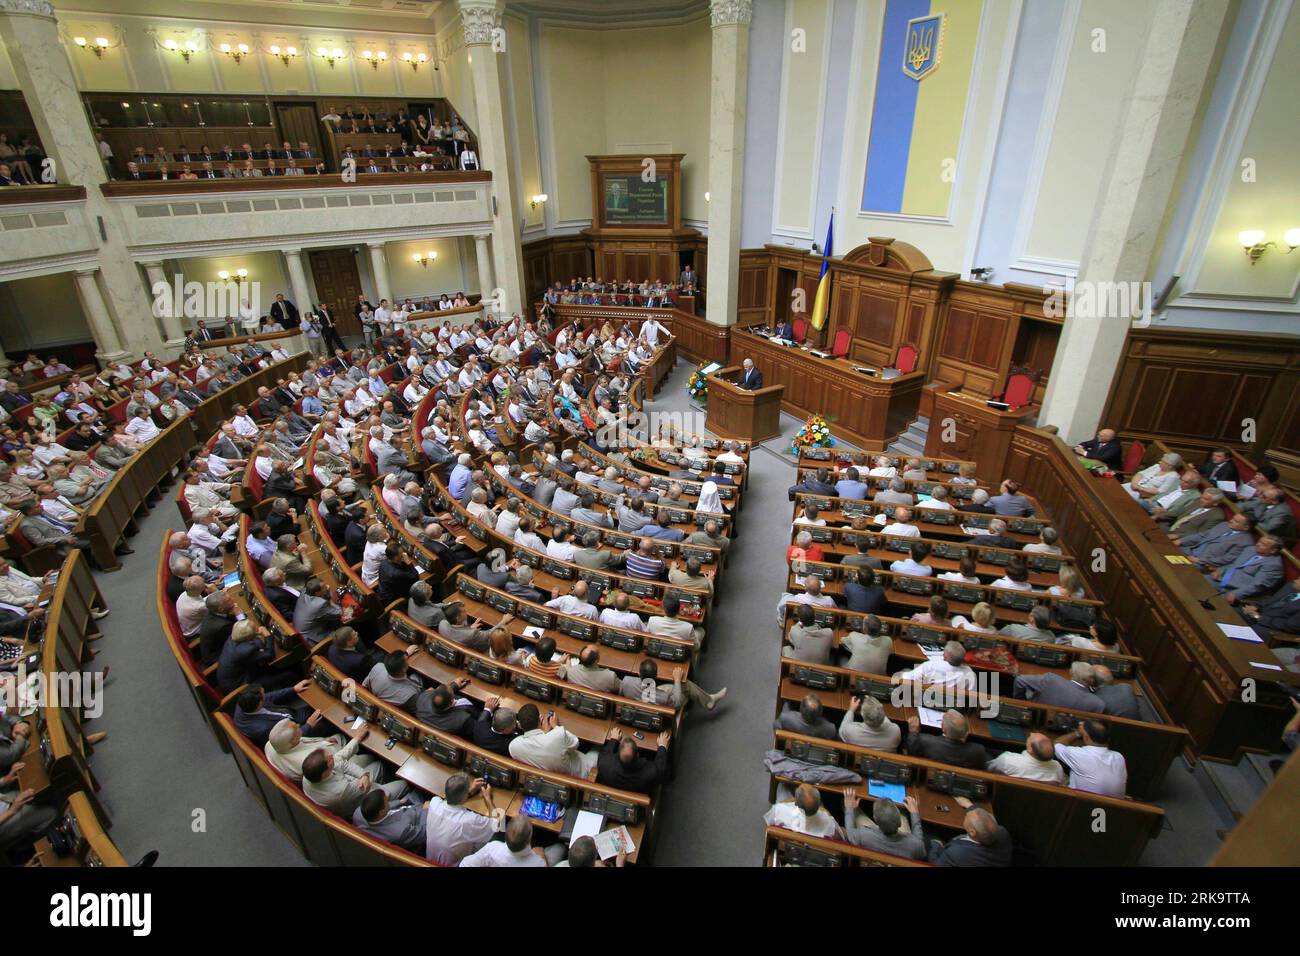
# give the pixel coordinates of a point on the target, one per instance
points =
(31, 8)
(480, 19)
(729, 13)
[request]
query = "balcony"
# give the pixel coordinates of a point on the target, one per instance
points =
(176, 218)
(43, 229)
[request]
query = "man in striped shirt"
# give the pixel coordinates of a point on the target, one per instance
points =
(642, 563)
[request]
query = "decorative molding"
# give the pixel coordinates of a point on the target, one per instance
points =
(480, 21)
(31, 8)
(1054, 90)
(730, 13)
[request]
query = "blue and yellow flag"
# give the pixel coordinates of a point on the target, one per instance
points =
(821, 304)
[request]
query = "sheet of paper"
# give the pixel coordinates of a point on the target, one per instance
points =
(1229, 486)
(932, 653)
(358, 723)
(1177, 559)
(534, 632)
(1267, 667)
(930, 717)
(1239, 632)
(586, 824)
(1246, 491)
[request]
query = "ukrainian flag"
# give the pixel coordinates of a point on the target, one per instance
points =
(923, 78)
(821, 303)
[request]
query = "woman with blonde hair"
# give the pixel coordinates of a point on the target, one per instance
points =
(501, 647)
(1070, 583)
(966, 475)
(981, 619)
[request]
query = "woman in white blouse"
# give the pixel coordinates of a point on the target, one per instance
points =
(1070, 583)
(1016, 577)
(965, 573)
(981, 619)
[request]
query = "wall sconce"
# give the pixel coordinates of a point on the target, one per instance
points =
(415, 60)
(97, 48)
(329, 56)
(185, 52)
(286, 54)
(236, 54)
(425, 258)
(1252, 241)
(706, 196)
(224, 274)
(538, 200)
(374, 59)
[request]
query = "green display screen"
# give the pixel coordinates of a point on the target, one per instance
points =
(631, 201)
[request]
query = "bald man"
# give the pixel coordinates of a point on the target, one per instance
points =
(1035, 762)
(984, 843)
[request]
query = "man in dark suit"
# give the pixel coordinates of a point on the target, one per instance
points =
(284, 312)
(819, 484)
(280, 597)
(1278, 612)
(1119, 699)
(495, 728)
(214, 631)
(257, 711)
(1105, 448)
(951, 746)
(750, 378)
(1220, 467)
(996, 538)
(784, 330)
(977, 504)
(396, 574)
(440, 708)
(620, 764)
(984, 843)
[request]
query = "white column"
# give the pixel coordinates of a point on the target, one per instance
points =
(485, 40)
(483, 253)
(1153, 134)
(298, 279)
(730, 68)
(101, 323)
(171, 317)
(379, 268)
(31, 39)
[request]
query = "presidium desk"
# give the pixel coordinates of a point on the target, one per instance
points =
(736, 412)
(869, 410)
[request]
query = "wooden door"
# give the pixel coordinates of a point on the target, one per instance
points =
(337, 285)
(298, 124)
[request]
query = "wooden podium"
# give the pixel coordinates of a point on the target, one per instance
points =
(735, 412)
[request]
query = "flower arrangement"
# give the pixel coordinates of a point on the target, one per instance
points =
(697, 386)
(816, 433)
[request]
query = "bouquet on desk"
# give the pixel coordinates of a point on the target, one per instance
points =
(697, 386)
(816, 433)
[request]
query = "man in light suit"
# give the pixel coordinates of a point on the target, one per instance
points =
(314, 617)
(286, 748)
(1219, 546)
(1055, 691)
(1119, 699)
(751, 378)
(1272, 514)
(546, 744)
(1254, 574)
(400, 821)
(1202, 516)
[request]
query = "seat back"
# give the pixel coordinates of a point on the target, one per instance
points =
(1133, 457)
(840, 347)
(800, 330)
(905, 361)
(1020, 387)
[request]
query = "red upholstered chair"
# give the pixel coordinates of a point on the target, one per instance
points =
(800, 330)
(1020, 388)
(905, 360)
(840, 347)
(1133, 457)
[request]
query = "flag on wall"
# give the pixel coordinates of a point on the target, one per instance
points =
(821, 304)
(923, 82)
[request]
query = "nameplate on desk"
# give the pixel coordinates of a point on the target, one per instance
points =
(1000, 406)
(864, 371)
(820, 355)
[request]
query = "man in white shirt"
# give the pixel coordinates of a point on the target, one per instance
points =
(902, 524)
(805, 814)
(141, 427)
(620, 616)
(1094, 767)
(517, 850)
(373, 555)
(950, 670)
(576, 603)
(1033, 763)
(452, 830)
(245, 427)
(548, 745)
(938, 500)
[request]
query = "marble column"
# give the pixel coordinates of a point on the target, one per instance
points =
(1155, 129)
(101, 323)
(171, 318)
(298, 279)
(40, 63)
(483, 254)
(730, 68)
(379, 268)
(484, 38)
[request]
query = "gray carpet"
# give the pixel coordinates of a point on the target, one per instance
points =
(160, 765)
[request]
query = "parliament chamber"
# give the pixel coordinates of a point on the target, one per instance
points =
(649, 434)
